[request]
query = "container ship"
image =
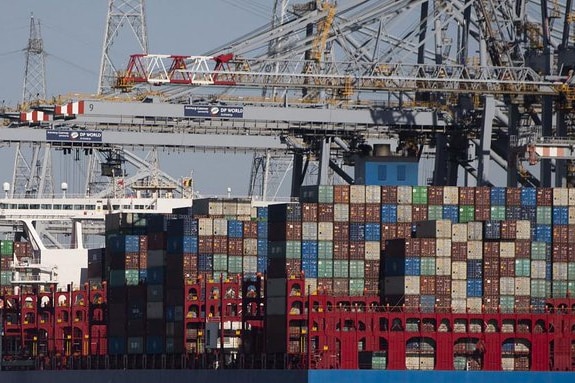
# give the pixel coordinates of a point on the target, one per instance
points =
(405, 282)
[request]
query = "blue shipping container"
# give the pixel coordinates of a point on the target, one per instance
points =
(235, 229)
(497, 196)
(474, 288)
(474, 269)
(309, 267)
(155, 344)
(357, 232)
(116, 345)
(427, 303)
(206, 262)
(529, 213)
(451, 212)
(155, 275)
(492, 230)
(528, 196)
(262, 213)
(560, 215)
(412, 266)
(543, 233)
(513, 213)
(262, 229)
(309, 249)
(389, 213)
(372, 232)
(262, 264)
(262, 247)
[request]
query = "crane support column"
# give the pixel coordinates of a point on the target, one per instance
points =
(297, 174)
(512, 178)
(323, 176)
(441, 157)
(485, 143)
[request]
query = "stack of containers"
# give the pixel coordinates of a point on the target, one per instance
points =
(262, 238)
(6, 258)
(563, 268)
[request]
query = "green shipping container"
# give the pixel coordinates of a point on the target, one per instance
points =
(5, 277)
(340, 269)
(220, 262)
(544, 215)
(325, 250)
(507, 303)
(132, 277)
(522, 268)
(356, 269)
(538, 251)
(419, 195)
(427, 266)
(434, 212)
(559, 289)
(571, 271)
(6, 248)
(293, 249)
(498, 213)
(235, 264)
(325, 268)
(539, 288)
(466, 214)
(325, 194)
(356, 286)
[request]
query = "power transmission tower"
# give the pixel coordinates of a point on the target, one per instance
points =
(34, 79)
(121, 14)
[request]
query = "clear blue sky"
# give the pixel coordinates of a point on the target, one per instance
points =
(73, 32)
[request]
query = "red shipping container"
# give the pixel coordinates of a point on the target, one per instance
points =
(250, 229)
(235, 247)
(491, 249)
(508, 229)
(413, 247)
(340, 231)
(560, 234)
(143, 260)
(372, 212)
(371, 286)
(371, 269)
(309, 212)
(293, 267)
(491, 286)
(388, 231)
(419, 212)
(571, 252)
(435, 195)
(325, 285)
(356, 212)
(220, 245)
(482, 197)
(443, 303)
(412, 302)
(523, 248)
(467, 195)
(442, 285)
(293, 231)
(427, 285)
(206, 244)
(357, 250)
(482, 212)
(571, 233)
(459, 251)
(544, 196)
(513, 196)
(325, 212)
(560, 252)
(340, 250)
(389, 194)
(491, 303)
(341, 193)
(340, 286)
(404, 230)
(507, 267)
(491, 268)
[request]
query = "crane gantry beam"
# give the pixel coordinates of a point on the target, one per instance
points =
(227, 70)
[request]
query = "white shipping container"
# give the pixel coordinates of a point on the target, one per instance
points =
(522, 286)
(412, 285)
(459, 305)
(475, 231)
(459, 270)
(310, 285)
(474, 304)
(341, 212)
(571, 196)
(459, 232)
(245, 208)
(458, 289)
(404, 213)
(231, 208)
(373, 194)
(220, 226)
(357, 194)
(560, 196)
(443, 249)
(538, 269)
(507, 286)
(372, 250)
(523, 230)
(507, 249)
(250, 246)
(325, 231)
(216, 208)
(206, 226)
(560, 271)
(571, 214)
(250, 264)
(404, 196)
(450, 195)
(309, 231)
(474, 250)
(156, 258)
(443, 266)
(508, 363)
(433, 229)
